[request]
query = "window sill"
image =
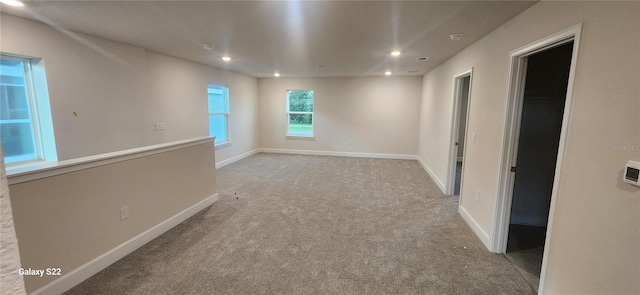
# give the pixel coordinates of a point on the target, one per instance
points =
(303, 137)
(219, 145)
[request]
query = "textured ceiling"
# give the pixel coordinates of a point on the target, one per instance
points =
(290, 37)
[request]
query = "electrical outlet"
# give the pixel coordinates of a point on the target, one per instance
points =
(124, 212)
(350, 141)
(477, 196)
(474, 138)
(161, 126)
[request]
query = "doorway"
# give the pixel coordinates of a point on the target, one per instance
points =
(542, 110)
(538, 110)
(462, 92)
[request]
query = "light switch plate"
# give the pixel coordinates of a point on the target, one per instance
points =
(161, 126)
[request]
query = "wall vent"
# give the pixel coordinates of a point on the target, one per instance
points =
(422, 58)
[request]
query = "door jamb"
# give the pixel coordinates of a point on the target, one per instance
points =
(513, 103)
(457, 88)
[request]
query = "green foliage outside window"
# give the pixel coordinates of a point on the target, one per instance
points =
(300, 108)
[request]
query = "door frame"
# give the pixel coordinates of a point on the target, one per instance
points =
(512, 115)
(455, 124)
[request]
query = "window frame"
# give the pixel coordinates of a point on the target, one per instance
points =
(34, 118)
(226, 113)
(288, 113)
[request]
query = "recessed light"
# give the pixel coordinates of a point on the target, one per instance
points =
(388, 73)
(226, 58)
(276, 74)
(207, 46)
(395, 53)
(12, 2)
(455, 37)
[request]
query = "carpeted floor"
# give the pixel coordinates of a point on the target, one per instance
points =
(316, 225)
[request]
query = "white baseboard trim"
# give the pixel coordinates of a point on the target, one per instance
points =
(482, 235)
(76, 276)
(433, 175)
(236, 158)
(338, 154)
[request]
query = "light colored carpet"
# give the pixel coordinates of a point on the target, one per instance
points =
(316, 225)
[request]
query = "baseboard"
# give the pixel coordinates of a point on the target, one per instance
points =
(236, 158)
(338, 154)
(92, 267)
(438, 182)
(358, 155)
(433, 175)
(482, 235)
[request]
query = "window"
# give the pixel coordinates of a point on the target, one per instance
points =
(219, 113)
(300, 112)
(26, 134)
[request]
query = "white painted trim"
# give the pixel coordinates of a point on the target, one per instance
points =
(303, 137)
(338, 154)
(24, 173)
(433, 175)
(455, 120)
(562, 150)
(78, 275)
(475, 227)
(235, 158)
(220, 145)
(505, 182)
(512, 114)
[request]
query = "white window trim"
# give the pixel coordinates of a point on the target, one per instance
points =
(313, 120)
(226, 114)
(301, 137)
(223, 144)
(39, 109)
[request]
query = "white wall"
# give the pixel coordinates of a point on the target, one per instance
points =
(179, 89)
(119, 91)
(359, 114)
(596, 229)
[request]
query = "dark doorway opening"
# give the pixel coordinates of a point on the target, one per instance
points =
(465, 84)
(545, 89)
